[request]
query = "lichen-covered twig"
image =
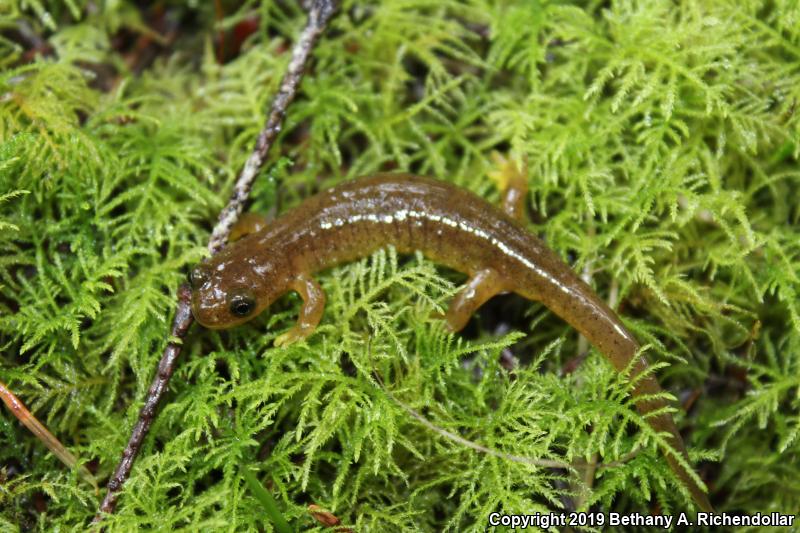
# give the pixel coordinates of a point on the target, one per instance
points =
(319, 13)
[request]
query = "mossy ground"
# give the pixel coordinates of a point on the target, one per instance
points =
(662, 144)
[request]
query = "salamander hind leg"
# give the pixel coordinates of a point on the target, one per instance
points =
(513, 181)
(310, 313)
(248, 223)
(480, 287)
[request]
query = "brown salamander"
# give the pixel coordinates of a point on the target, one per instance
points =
(449, 225)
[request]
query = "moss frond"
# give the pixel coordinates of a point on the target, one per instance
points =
(662, 141)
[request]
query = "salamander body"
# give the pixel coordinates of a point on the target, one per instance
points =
(448, 224)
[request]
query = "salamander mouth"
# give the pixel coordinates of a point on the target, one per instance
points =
(216, 317)
(209, 325)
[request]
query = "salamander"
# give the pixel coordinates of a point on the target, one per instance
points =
(448, 224)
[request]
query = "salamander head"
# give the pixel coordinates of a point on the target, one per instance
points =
(226, 293)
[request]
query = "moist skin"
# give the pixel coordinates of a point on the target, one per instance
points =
(448, 224)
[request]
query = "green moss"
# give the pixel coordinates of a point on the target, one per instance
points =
(662, 144)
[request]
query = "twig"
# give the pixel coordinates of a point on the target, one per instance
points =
(19, 410)
(319, 13)
(180, 325)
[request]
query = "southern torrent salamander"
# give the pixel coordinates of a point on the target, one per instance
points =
(448, 224)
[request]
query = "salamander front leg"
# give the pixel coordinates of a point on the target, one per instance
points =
(480, 287)
(310, 313)
(514, 184)
(248, 223)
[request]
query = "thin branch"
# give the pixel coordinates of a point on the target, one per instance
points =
(19, 410)
(319, 13)
(180, 325)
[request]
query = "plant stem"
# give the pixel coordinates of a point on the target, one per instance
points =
(269, 503)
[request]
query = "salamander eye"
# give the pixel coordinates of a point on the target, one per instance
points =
(242, 304)
(198, 276)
